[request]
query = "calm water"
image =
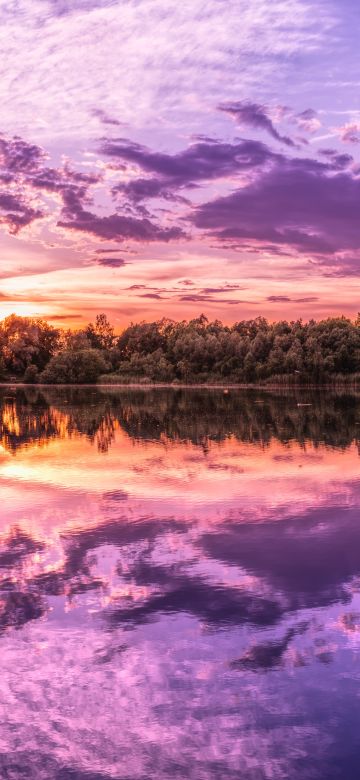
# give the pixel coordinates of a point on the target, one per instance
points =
(180, 585)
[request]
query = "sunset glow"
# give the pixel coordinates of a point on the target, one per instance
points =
(146, 174)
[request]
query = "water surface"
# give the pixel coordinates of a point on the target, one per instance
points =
(180, 584)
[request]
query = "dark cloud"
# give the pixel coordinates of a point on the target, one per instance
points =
(223, 288)
(142, 189)
(117, 227)
(309, 113)
(23, 164)
(350, 133)
(111, 262)
(200, 298)
(307, 120)
(60, 317)
(338, 160)
(254, 115)
(154, 296)
(340, 266)
(15, 214)
(18, 156)
(202, 161)
(287, 299)
(278, 299)
(303, 204)
(105, 119)
(61, 8)
(106, 251)
(309, 299)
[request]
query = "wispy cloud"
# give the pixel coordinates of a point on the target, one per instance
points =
(256, 116)
(77, 55)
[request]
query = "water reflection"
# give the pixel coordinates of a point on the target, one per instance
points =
(180, 584)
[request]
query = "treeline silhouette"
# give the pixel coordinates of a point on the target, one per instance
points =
(202, 417)
(195, 351)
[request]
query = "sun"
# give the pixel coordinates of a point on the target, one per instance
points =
(21, 309)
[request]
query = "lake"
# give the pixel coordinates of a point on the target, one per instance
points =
(180, 584)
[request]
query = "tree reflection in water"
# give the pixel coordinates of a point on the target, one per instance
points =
(199, 416)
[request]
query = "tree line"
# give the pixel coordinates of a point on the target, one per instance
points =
(195, 351)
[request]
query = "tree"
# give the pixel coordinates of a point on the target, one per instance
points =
(26, 341)
(81, 367)
(101, 335)
(31, 376)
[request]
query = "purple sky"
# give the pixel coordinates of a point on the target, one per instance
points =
(165, 158)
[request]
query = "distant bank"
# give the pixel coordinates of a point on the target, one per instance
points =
(199, 352)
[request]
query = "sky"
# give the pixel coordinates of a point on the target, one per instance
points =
(169, 159)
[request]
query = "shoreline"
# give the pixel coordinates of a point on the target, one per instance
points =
(354, 384)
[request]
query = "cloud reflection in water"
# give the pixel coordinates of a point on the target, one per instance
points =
(180, 579)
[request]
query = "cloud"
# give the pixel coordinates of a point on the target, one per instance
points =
(60, 317)
(73, 55)
(287, 299)
(105, 119)
(278, 299)
(308, 121)
(19, 156)
(116, 227)
(23, 164)
(223, 288)
(111, 262)
(338, 160)
(200, 162)
(15, 214)
(200, 298)
(152, 296)
(254, 115)
(349, 133)
(28, 179)
(304, 205)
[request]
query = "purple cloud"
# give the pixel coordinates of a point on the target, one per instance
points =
(222, 289)
(199, 298)
(110, 262)
(202, 161)
(105, 119)
(307, 120)
(18, 156)
(287, 299)
(15, 214)
(350, 133)
(301, 203)
(117, 227)
(338, 160)
(152, 296)
(255, 116)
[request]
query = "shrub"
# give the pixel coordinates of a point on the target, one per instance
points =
(31, 376)
(76, 367)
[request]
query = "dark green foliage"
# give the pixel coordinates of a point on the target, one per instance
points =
(25, 341)
(101, 335)
(250, 351)
(74, 367)
(31, 376)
